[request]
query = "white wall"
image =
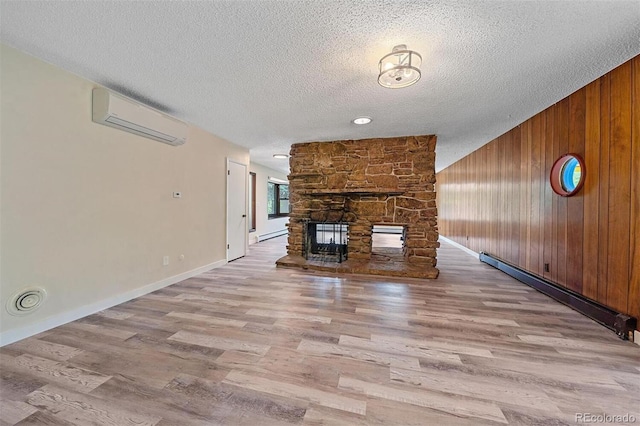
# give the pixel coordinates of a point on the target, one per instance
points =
(87, 210)
(264, 225)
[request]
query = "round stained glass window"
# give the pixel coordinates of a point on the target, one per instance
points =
(567, 175)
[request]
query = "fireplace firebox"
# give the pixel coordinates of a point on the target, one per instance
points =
(325, 241)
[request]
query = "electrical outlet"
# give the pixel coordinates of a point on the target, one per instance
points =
(165, 261)
(546, 267)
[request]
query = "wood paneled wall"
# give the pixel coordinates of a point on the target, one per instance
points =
(498, 199)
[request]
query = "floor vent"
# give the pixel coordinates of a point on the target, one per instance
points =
(26, 301)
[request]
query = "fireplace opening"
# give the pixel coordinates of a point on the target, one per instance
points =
(387, 243)
(326, 241)
(388, 237)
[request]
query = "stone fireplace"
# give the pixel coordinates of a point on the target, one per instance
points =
(360, 184)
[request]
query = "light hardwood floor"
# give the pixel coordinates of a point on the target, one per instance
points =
(250, 344)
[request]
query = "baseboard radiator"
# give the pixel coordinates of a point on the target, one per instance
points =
(622, 324)
(270, 235)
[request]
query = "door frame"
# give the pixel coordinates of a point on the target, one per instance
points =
(246, 224)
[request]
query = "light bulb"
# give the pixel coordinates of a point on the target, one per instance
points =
(388, 66)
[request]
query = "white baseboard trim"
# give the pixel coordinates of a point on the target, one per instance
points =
(10, 336)
(460, 246)
(271, 235)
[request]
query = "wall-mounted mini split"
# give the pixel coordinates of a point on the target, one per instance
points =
(26, 301)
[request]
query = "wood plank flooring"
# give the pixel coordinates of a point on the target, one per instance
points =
(252, 344)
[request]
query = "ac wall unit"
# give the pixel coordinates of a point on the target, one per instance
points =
(122, 113)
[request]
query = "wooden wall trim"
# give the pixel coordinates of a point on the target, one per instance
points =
(633, 300)
(498, 199)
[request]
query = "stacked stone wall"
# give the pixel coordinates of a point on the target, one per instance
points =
(364, 183)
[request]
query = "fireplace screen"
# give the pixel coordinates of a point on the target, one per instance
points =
(326, 241)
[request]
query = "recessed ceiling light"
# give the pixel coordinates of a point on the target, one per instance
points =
(362, 120)
(280, 156)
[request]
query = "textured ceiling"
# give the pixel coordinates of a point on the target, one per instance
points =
(266, 74)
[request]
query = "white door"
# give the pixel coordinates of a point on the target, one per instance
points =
(236, 210)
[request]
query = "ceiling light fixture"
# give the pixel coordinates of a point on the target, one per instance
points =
(400, 68)
(362, 120)
(280, 156)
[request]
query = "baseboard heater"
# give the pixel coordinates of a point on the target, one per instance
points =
(270, 235)
(622, 324)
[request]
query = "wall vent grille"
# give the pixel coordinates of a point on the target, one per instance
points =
(26, 301)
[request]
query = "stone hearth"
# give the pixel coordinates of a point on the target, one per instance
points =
(364, 183)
